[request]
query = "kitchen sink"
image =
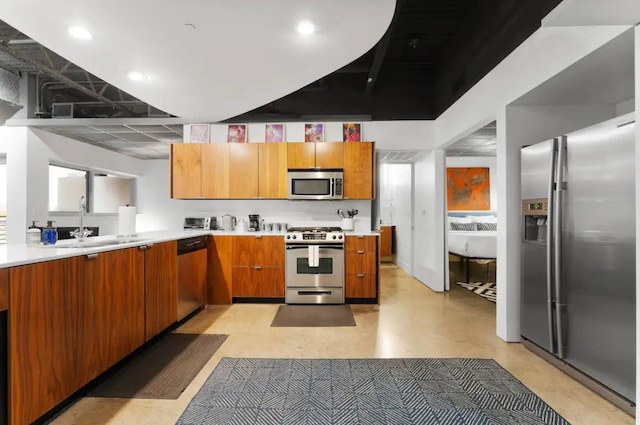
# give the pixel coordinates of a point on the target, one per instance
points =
(93, 244)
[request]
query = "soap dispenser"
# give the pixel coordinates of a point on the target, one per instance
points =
(33, 234)
(49, 234)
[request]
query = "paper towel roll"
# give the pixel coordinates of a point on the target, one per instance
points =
(126, 221)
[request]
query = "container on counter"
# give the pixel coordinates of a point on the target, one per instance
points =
(33, 234)
(49, 234)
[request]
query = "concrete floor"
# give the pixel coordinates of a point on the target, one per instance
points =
(411, 321)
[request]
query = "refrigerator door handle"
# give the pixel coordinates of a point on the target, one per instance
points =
(560, 187)
(550, 238)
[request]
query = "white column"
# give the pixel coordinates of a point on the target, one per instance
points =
(508, 244)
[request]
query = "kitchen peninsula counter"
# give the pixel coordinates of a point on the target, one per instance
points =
(12, 255)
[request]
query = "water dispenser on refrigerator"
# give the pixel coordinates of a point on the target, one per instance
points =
(534, 221)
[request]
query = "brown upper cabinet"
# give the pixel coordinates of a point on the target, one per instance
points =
(243, 170)
(315, 155)
(272, 170)
(215, 171)
(359, 170)
(186, 170)
(259, 170)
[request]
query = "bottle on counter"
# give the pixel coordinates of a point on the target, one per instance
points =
(49, 234)
(33, 234)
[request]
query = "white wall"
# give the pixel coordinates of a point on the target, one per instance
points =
(637, 109)
(429, 212)
(29, 152)
(396, 207)
(157, 211)
(388, 135)
(480, 161)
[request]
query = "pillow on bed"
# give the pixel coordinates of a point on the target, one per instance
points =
(487, 226)
(465, 219)
(465, 227)
(485, 219)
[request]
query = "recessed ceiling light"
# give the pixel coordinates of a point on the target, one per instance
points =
(136, 76)
(80, 33)
(306, 27)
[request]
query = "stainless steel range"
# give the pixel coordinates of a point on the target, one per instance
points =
(314, 265)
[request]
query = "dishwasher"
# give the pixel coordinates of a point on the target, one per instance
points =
(192, 275)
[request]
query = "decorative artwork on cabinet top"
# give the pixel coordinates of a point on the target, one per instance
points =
(351, 132)
(314, 132)
(274, 133)
(468, 189)
(237, 133)
(199, 133)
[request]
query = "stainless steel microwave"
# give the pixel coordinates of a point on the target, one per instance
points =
(315, 184)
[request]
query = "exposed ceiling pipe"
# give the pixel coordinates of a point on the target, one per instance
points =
(58, 76)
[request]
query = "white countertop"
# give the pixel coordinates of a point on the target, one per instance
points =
(20, 254)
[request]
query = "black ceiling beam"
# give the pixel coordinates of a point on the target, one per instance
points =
(381, 52)
(58, 76)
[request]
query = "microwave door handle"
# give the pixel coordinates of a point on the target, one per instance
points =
(333, 187)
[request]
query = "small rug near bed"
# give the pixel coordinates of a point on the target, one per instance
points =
(486, 290)
(365, 391)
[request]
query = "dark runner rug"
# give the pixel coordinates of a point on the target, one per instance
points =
(313, 315)
(486, 290)
(365, 391)
(163, 370)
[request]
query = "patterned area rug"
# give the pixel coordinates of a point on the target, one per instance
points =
(365, 391)
(487, 290)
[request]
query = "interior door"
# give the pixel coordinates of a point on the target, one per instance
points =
(598, 255)
(429, 242)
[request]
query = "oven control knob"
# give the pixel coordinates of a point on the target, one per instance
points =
(334, 236)
(288, 236)
(294, 237)
(340, 237)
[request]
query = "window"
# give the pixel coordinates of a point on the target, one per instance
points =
(104, 192)
(66, 185)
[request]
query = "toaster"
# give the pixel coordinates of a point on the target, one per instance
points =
(205, 223)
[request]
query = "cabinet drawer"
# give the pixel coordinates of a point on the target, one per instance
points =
(360, 262)
(360, 243)
(265, 251)
(258, 282)
(360, 286)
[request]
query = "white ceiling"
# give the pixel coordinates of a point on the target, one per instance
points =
(594, 12)
(605, 76)
(481, 142)
(242, 53)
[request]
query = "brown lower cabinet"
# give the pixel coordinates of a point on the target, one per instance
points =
(161, 287)
(69, 321)
(361, 267)
(258, 267)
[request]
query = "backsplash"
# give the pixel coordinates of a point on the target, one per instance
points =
(294, 213)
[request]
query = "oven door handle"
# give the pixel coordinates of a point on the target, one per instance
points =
(322, 246)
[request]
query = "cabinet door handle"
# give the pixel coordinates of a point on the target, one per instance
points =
(149, 245)
(360, 275)
(258, 236)
(360, 252)
(258, 267)
(360, 236)
(143, 247)
(92, 256)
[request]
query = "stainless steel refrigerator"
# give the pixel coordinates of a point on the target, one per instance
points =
(578, 252)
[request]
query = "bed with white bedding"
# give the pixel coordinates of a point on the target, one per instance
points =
(473, 237)
(473, 244)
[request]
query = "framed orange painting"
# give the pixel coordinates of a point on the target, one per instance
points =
(468, 189)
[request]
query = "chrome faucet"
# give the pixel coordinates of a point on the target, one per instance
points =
(81, 233)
